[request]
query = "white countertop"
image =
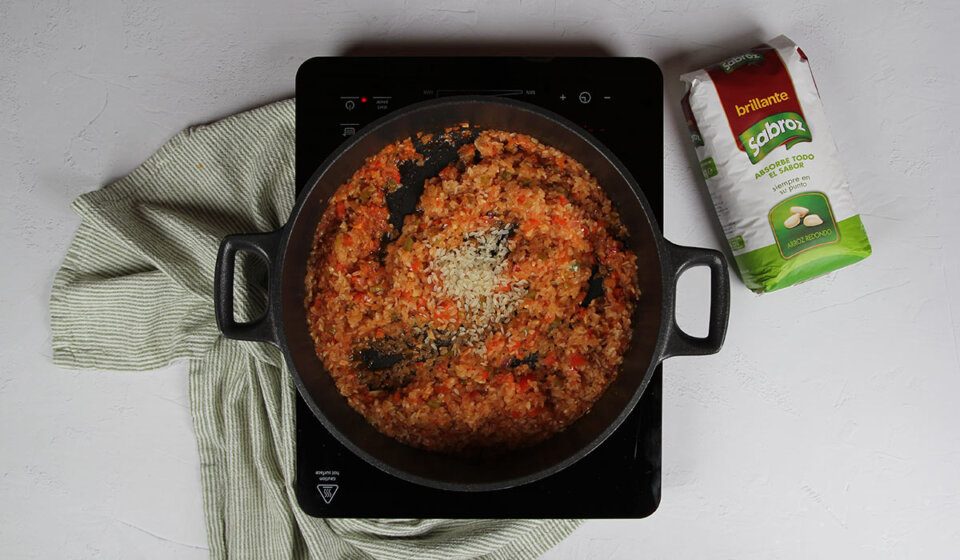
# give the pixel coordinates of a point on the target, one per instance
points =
(828, 426)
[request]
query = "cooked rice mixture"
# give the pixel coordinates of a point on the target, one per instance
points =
(470, 330)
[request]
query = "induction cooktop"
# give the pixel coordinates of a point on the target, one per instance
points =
(618, 100)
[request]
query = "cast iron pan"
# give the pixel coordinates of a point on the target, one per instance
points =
(656, 335)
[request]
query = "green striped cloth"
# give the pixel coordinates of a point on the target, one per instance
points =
(135, 292)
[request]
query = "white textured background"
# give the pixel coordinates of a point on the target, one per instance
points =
(827, 427)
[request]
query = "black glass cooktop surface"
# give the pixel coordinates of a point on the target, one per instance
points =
(618, 100)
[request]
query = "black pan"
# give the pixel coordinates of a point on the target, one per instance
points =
(656, 335)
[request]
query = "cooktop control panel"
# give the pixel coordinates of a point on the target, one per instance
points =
(608, 97)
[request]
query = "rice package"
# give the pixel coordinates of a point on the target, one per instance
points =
(772, 167)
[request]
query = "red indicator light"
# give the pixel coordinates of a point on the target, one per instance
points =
(363, 100)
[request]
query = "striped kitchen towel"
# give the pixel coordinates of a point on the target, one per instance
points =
(135, 292)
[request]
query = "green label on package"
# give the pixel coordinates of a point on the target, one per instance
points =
(772, 132)
(803, 222)
(708, 167)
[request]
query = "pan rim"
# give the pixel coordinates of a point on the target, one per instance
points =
(276, 279)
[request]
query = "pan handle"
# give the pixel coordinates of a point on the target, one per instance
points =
(262, 329)
(678, 342)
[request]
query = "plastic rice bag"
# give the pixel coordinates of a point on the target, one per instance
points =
(772, 167)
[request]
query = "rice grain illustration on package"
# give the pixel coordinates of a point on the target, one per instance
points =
(772, 168)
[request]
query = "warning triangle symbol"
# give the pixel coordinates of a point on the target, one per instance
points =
(327, 491)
